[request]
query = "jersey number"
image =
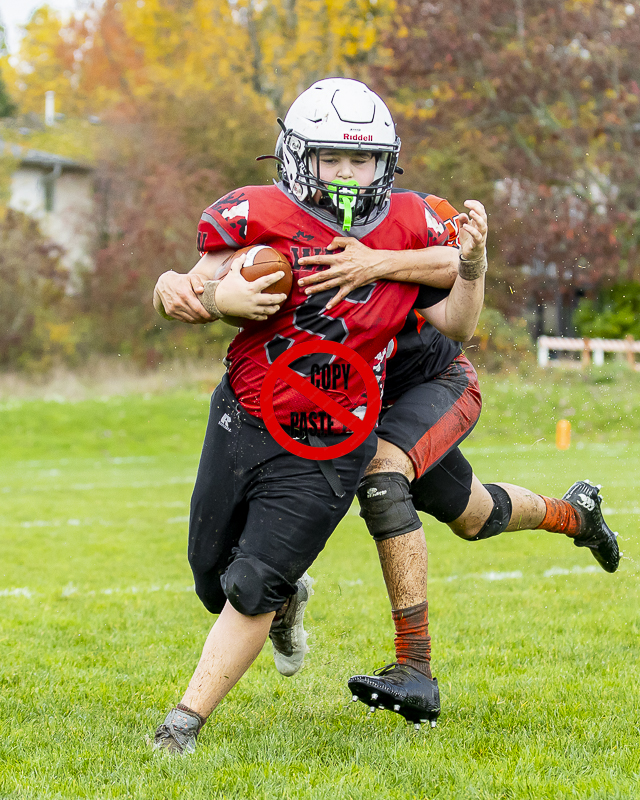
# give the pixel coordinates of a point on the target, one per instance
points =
(311, 317)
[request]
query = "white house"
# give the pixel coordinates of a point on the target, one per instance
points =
(59, 193)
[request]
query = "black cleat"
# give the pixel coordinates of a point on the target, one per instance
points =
(402, 689)
(596, 534)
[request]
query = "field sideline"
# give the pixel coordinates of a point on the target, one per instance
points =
(536, 649)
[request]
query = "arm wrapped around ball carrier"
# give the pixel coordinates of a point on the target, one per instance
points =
(208, 299)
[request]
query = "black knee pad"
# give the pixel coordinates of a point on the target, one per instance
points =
(500, 515)
(209, 591)
(386, 505)
(253, 587)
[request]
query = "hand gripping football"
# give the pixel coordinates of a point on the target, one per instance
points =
(260, 260)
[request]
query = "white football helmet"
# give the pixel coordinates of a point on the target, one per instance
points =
(343, 114)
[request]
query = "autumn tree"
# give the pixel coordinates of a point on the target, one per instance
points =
(187, 93)
(32, 282)
(121, 52)
(7, 106)
(533, 106)
(149, 196)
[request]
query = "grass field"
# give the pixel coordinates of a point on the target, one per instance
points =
(536, 649)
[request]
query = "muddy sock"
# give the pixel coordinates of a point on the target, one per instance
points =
(182, 707)
(560, 517)
(413, 643)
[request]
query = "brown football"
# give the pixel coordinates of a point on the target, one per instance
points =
(261, 260)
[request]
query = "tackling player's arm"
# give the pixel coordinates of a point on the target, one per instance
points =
(358, 265)
(457, 315)
(178, 296)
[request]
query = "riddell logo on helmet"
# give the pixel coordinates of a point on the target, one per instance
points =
(357, 137)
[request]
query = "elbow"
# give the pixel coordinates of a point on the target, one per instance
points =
(460, 337)
(462, 333)
(464, 329)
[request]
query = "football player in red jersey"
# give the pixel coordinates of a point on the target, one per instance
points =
(431, 402)
(259, 514)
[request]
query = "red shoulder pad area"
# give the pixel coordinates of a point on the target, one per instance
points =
(420, 217)
(241, 218)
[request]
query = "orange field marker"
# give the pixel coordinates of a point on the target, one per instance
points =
(563, 434)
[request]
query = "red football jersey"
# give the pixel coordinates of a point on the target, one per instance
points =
(365, 321)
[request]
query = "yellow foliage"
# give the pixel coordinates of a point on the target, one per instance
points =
(443, 92)
(8, 165)
(578, 5)
(133, 49)
(44, 62)
(62, 334)
(588, 114)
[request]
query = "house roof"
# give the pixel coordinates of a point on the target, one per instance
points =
(42, 159)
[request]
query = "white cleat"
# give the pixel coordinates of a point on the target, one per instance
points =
(433, 723)
(355, 698)
(416, 725)
(288, 636)
(374, 696)
(396, 708)
(372, 709)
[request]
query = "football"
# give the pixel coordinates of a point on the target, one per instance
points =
(261, 260)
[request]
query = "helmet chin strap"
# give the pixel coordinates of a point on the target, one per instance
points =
(344, 200)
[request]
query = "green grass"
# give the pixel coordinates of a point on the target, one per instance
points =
(535, 648)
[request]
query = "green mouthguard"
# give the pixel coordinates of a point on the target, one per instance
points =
(344, 200)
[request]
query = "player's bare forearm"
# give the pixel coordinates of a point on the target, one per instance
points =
(357, 265)
(457, 315)
(209, 264)
(434, 266)
(174, 297)
(177, 295)
(464, 307)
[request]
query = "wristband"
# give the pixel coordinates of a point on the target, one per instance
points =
(208, 299)
(472, 269)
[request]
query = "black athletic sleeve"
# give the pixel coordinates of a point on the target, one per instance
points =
(428, 296)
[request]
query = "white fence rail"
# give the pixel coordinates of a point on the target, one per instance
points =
(588, 347)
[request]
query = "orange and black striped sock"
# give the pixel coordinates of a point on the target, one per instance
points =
(560, 517)
(413, 643)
